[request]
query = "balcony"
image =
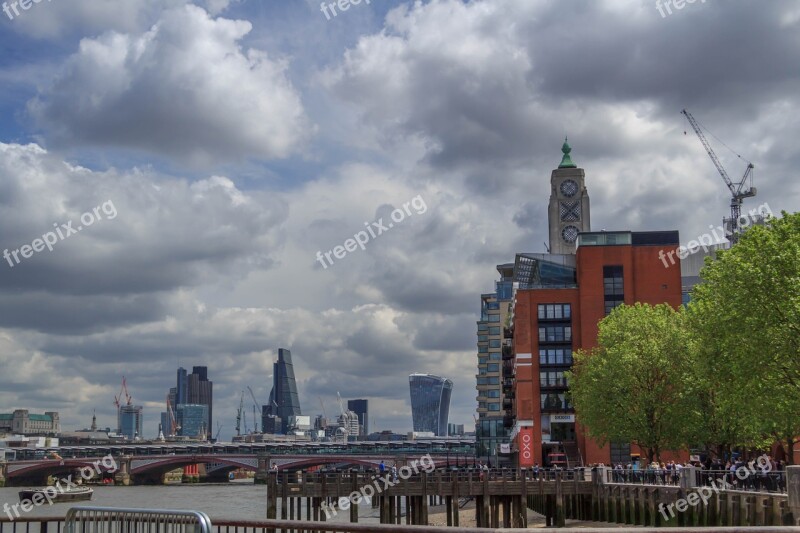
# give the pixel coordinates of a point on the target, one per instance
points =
(508, 421)
(508, 403)
(508, 332)
(508, 384)
(508, 352)
(508, 369)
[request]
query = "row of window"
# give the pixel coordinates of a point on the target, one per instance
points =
(554, 378)
(491, 406)
(553, 400)
(492, 330)
(613, 287)
(555, 311)
(490, 380)
(555, 356)
(491, 367)
(555, 334)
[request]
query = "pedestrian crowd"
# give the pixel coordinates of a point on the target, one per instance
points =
(768, 475)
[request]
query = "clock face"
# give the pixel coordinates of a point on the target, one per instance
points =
(569, 234)
(570, 211)
(569, 188)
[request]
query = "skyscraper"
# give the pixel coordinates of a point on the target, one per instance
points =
(360, 408)
(200, 392)
(283, 399)
(430, 402)
(192, 420)
(130, 421)
(182, 390)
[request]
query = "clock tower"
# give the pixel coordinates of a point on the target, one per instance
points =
(568, 212)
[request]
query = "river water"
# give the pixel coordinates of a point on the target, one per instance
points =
(237, 500)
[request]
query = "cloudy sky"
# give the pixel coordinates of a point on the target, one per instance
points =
(226, 142)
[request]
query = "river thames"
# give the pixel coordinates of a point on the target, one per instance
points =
(237, 500)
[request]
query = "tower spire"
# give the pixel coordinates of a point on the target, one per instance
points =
(566, 161)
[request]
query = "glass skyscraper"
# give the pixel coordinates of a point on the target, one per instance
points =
(430, 403)
(192, 418)
(283, 399)
(130, 421)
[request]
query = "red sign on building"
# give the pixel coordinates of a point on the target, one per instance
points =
(525, 447)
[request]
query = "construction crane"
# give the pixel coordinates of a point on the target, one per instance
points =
(255, 406)
(239, 416)
(219, 428)
(737, 189)
(173, 424)
(118, 402)
(123, 390)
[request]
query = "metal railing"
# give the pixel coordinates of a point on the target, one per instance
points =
(774, 481)
(116, 520)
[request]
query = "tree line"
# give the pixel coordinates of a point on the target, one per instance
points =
(719, 374)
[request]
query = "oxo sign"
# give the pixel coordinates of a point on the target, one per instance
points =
(525, 447)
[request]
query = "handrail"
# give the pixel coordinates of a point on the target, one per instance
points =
(111, 516)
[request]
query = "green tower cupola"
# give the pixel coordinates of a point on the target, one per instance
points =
(566, 161)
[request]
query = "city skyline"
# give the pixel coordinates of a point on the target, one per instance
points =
(295, 132)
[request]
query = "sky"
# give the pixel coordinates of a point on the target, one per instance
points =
(209, 150)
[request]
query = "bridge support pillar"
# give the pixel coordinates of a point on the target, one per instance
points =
(3, 472)
(793, 488)
(262, 470)
(123, 475)
(272, 497)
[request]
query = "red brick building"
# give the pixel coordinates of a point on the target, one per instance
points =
(558, 303)
(557, 300)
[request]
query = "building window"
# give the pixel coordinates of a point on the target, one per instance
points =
(620, 453)
(494, 380)
(492, 306)
(494, 406)
(555, 334)
(555, 311)
(494, 330)
(613, 287)
(483, 327)
(482, 381)
(494, 343)
(481, 371)
(555, 401)
(481, 405)
(553, 378)
(483, 338)
(555, 356)
(483, 349)
(493, 367)
(482, 360)
(492, 393)
(494, 318)
(494, 356)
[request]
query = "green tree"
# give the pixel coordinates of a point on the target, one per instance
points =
(633, 386)
(746, 315)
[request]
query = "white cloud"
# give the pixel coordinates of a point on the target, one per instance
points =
(185, 89)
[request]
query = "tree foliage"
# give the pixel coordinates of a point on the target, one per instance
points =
(723, 373)
(745, 317)
(631, 388)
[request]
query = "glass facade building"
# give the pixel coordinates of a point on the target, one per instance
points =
(430, 403)
(192, 420)
(130, 421)
(284, 401)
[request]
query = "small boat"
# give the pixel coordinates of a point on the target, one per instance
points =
(64, 495)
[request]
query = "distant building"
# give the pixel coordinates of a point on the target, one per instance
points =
(284, 402)
(455, 430)
(200, 392)
(181, 394)
(130, 421)
(192, 419)
(361, 409)
(430, 402)
(21, 422)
